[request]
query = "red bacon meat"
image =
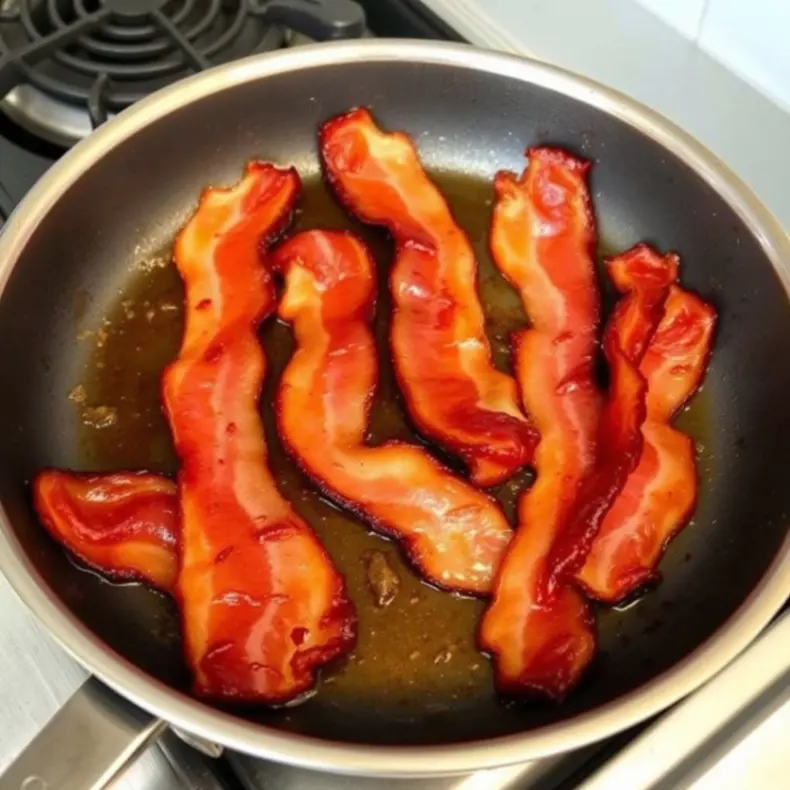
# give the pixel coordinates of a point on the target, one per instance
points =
(124, 525)
(262, 604)
(659, 496)
(442, 357)
(539, 632)
(454, 534)
(643, 277)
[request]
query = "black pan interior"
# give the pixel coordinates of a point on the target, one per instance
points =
(91, 254)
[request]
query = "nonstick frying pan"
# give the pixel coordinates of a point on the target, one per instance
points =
(72, 254)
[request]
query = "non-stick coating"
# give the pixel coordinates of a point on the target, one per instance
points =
(465, 122)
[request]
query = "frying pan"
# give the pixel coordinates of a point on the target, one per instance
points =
(73, 248)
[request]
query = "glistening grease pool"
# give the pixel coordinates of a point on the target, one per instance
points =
(416, 673)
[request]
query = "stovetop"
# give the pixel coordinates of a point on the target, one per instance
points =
(669, 753)
(70, 64)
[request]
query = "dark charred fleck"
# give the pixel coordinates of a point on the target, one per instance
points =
(223, 555)
(214, 353)
(298, 635)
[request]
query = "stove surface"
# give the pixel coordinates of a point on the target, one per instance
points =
(29, 659)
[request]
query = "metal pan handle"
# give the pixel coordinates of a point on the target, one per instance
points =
(86, 744)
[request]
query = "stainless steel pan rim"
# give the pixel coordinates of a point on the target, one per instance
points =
(223, 728)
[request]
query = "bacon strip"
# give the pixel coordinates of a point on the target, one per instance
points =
(123, 525)
(442, 357)
(542, 239)
(261, 602)
(453, 533)
(644, 277)
(659, 496)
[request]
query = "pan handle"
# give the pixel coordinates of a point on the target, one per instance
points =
(86, 744)
(322, 20)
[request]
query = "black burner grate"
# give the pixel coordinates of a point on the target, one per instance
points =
(107, 54)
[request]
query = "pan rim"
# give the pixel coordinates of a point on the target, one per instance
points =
(197, 718)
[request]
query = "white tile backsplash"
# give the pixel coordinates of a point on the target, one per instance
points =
(684, 15)
(752, 37)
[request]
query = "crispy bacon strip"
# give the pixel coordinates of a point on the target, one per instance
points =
(453, 533)
(659, 496)
(542, 238)
(123, 525)
(644, 277)
(261, 602)
(442, 356)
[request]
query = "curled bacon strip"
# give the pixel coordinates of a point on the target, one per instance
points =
(261, 602)
(542, 238)
(659, 496)
(442, 356)
(123, 525)
(644, 277)
(453, 533)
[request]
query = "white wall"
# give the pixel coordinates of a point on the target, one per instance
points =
(622, 44)
(752, 37)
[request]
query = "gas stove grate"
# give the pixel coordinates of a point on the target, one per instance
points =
(107, 54)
